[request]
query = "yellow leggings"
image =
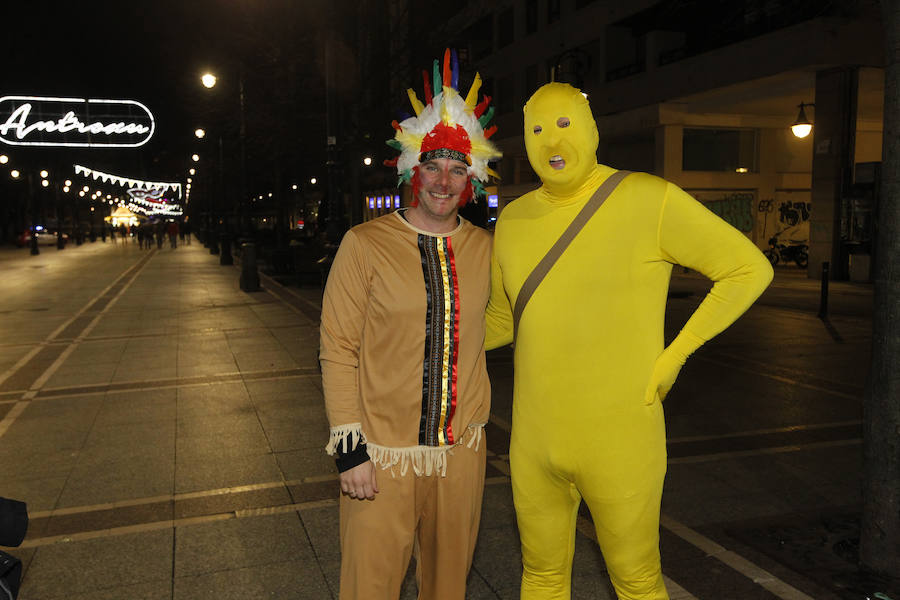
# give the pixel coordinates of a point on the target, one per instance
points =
(547, 490)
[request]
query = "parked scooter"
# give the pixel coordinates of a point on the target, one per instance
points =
(797, 252)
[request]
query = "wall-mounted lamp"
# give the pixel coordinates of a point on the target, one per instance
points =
(802, 126)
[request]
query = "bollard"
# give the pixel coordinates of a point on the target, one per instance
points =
(225, 257)
(249, 275)
(823, 299)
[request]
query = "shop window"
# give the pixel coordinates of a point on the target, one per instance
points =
(722, 150)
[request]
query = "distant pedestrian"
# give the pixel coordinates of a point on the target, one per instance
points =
(172, 230)
(186, 228)
(112, 233)
(160, 232)
(140, 237)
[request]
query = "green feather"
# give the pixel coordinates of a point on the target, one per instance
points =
(394, 144)
(486, 117)
(436, 78)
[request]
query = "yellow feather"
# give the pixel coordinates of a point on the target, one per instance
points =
(414, 100)
(493, 173)
(472, 96)
(445, 114)
(410, 140)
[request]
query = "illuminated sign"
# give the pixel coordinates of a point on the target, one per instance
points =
(371, 202)
(80, 122)
(492, 201)
(396, 201)
(379, 201)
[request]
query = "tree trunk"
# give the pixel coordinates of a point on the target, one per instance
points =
(880, 533)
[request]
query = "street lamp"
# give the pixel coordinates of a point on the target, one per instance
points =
(209, 80)
(313, 180)
(14, 174)
(200, 133)
(367, 161)
(3, 159)
(802, 126)
(195, 157)
(44, 174)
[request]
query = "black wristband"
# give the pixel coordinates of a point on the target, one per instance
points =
(347, 460)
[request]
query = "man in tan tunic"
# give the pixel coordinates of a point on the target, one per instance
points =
(403, 367)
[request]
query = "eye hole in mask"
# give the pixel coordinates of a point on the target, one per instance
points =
(562, 122)
(537, 129)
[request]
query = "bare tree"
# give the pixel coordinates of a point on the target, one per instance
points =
(880, 532)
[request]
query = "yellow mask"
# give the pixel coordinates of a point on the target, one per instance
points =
(560, 137)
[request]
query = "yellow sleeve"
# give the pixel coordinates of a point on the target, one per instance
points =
(344, 306)
(498, 317)
(691, 235)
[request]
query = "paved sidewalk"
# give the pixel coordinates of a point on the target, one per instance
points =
(166, 430)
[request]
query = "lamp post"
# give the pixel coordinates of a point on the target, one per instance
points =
(32, 200)
(209, 81)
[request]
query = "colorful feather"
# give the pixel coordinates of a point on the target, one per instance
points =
(448, 74)
(454, 67)
(414, 100)
(472, 96)
(436, 75)
(486, 117)
(428, 95)
(482, 105)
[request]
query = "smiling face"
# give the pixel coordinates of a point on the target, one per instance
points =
(560, 137)
(441, 184)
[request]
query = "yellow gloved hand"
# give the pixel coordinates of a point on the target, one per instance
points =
(668, 365)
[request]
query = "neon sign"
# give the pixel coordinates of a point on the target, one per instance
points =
(79, 122)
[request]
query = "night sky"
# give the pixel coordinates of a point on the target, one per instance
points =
(155, 52)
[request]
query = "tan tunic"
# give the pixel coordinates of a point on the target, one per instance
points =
(402, 338)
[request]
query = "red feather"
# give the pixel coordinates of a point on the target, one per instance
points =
(482, 106)
(396, 125)
(391, 162)
(428, 95)
(490, 131)
(448, 73)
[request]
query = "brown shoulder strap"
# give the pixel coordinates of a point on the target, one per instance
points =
(540, 271)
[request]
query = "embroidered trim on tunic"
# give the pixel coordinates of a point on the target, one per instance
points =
(439, 370)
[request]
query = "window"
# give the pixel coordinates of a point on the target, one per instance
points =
(724, 150)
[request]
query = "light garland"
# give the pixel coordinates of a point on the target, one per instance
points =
(127, 181)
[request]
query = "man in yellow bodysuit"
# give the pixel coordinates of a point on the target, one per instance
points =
(591, 369)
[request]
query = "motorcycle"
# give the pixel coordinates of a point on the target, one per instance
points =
(797, 252)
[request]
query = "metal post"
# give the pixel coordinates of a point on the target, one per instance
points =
(249, 275)
(33, 201)
(823, 299)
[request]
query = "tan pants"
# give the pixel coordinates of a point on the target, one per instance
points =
(434, 517)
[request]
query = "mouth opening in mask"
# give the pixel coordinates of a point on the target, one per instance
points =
(557, 162)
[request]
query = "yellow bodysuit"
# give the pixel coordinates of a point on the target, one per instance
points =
(590, 365)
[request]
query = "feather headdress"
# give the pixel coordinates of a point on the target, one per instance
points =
(446, 126)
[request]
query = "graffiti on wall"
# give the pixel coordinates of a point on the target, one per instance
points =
(791, 219)
(793, 213)
(735, 208)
